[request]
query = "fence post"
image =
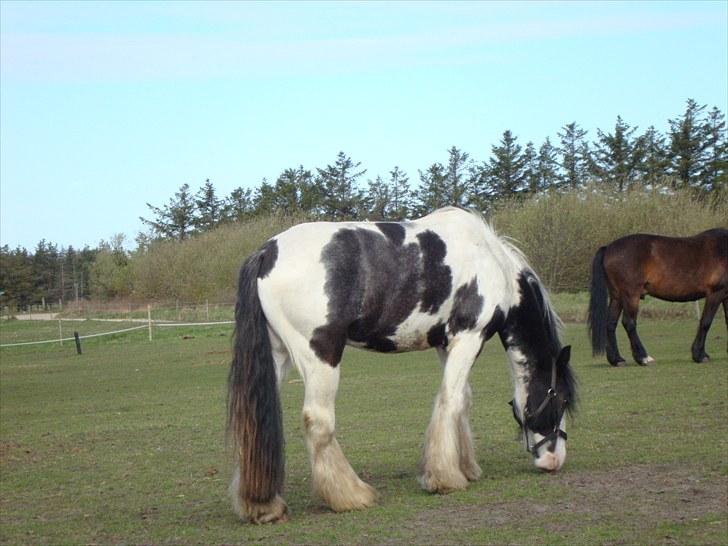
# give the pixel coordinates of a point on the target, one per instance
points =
(207, 310)
(697, 309)
(60, 332)
(149, 320)
(78, 342)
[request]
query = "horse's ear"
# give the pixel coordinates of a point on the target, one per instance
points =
(564, 356)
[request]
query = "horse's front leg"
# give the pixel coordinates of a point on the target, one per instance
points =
(712, 301)
(448, 458)
(334, 481)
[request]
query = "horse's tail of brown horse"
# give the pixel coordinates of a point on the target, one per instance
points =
(254, 409)
(598, 299)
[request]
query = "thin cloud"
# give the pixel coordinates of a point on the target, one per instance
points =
(44, 57)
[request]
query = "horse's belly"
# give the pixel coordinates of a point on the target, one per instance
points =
(416, 333)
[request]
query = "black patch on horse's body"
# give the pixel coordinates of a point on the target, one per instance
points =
(374, 282)
(467, 306)
(494, 325)
(393, 230)
(269, 256)
(436, 336)
(373, 285)
(436, 275)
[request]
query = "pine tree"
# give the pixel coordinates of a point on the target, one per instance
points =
(714, 176)
(342, 199)
(46, 271)
(687, 146)
(530, 167)
(175, 220)
(548, 166)
(400, 195)
(377, 199)
(431, 194)
(295, 191)
(264, 199)
(457, 183)
(16, 274)
(239, 205)
(505, 172)
(575, 156)
(209, 208)
(653, 167)
(618, 156)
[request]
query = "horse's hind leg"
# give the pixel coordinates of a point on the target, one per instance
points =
(629, 321)
(712, 301)
(333, 478)
(448, 459)
(615, 309)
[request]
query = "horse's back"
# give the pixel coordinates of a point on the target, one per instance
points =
(386, 286)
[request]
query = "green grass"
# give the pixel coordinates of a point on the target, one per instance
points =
(125, 444)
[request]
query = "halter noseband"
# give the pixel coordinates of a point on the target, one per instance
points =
(552, 437)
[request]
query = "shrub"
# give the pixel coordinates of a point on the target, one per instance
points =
(560, 232)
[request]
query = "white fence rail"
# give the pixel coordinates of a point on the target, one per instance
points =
(148, 324)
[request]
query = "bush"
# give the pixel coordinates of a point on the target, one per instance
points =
(205, 266)
(560, 232)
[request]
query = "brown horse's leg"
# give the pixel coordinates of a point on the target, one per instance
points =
(712, 301)
(629, 321)
(613, 356)
(725, 312)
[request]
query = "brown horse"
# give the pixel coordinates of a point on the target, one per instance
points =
(668, 268)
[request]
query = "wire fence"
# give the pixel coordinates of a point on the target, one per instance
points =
(148, 324)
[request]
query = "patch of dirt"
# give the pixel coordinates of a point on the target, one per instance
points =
(634, 497)
(11, 452)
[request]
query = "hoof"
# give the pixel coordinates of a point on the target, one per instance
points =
(275, 511)
(702, 359)
(618, 363)
(472, 473)
(646, 361)
(442, 485)
(358, 498)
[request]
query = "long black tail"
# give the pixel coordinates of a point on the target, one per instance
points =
(254, 409)
(598, 311)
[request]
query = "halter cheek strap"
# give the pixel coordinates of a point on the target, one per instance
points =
(552, 437)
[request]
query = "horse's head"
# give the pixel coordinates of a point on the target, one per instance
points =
(544, 385)
(540, 406)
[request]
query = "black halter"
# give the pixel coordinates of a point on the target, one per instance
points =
(552, 437)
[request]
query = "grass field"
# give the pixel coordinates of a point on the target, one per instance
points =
(125, 444)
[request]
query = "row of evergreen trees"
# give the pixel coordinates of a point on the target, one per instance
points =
(692, 154)
(47, 275)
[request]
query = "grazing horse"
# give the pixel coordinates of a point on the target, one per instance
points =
(668, 268)
(445, 281)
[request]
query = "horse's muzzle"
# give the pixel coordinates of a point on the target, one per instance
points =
(549, 462)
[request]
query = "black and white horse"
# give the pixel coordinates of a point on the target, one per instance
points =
(445, 281)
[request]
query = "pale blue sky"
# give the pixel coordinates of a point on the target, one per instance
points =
(106, 106)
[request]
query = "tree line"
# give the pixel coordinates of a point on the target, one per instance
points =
(691, 155)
